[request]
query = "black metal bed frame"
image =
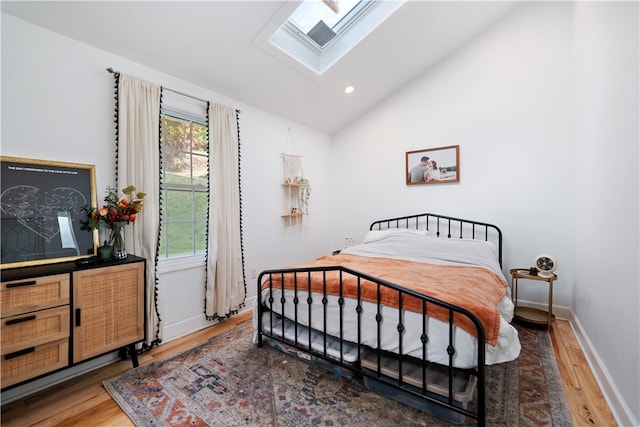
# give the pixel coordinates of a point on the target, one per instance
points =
(443, 226)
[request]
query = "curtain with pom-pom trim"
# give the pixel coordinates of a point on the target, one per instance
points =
(225, 291)
(138, 164)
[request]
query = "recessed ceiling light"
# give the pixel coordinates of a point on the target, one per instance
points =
(349, 89)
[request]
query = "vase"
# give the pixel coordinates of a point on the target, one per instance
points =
(119, 249)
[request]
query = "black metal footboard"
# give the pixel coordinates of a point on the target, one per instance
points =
(347, 319)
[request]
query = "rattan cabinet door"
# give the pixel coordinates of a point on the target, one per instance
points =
(108, 309)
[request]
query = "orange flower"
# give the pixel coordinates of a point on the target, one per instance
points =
(115, 209)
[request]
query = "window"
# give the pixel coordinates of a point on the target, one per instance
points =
(184, 168)
(319, 20)
(319, 33)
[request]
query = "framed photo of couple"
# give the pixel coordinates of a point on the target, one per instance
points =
(433, 165)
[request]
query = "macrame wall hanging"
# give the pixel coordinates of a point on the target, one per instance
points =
(292, 167)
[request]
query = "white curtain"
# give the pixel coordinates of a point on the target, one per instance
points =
(225, 288)
(138, 164)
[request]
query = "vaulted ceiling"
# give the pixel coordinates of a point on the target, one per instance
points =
(222, 46)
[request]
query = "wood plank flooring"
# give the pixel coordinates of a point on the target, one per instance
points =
(588, 407)
(83, 402)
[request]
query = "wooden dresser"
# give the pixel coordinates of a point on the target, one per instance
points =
(57, 315)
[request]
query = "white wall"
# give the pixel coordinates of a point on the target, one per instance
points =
(58, 104)
(543, 105)
(505, 98)
(534, 103)
(607, 190)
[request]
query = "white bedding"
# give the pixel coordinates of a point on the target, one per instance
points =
(413, 246)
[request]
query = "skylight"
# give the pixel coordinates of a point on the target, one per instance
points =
(320, 32)
(317, 18)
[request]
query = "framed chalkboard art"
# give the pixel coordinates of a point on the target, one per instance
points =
(41, 208)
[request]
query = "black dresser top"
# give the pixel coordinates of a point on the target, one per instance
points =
(18, 273)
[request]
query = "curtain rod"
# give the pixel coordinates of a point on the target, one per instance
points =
(112, 71)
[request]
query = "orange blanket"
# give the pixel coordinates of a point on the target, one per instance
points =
(474, 288)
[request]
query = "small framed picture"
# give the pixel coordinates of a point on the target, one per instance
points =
(433, 165)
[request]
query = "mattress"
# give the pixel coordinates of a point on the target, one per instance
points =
(342, 322)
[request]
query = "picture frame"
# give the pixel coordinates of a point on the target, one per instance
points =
(420, 171)
(40, 211)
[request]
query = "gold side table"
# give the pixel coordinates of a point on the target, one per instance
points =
(529, 314)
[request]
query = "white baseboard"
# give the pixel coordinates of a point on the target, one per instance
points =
(58, 377)
(620, 410)
(559, 311)
(194, 324)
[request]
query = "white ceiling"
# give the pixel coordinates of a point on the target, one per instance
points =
(221, 45)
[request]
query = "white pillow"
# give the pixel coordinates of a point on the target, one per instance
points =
(374, 234)
(491, 245)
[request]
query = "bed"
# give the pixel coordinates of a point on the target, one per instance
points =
(418, 309)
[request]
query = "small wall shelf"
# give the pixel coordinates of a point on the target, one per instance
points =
(291, 200)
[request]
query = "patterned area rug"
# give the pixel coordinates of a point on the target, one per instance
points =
(228, 381)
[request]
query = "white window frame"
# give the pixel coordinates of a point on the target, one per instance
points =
(179, 106)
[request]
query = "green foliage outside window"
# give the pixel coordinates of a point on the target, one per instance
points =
(184, 187)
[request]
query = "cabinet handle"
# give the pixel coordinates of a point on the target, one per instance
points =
(20, 320)
(19, 284)
(77, 317)
(19, 353)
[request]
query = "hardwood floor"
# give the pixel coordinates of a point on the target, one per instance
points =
(588, 407)
(83, 402)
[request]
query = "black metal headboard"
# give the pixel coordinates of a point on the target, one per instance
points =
(445, 226)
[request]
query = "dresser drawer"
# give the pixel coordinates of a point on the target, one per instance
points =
(23, 296)
(35, 328)
(34, 361)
